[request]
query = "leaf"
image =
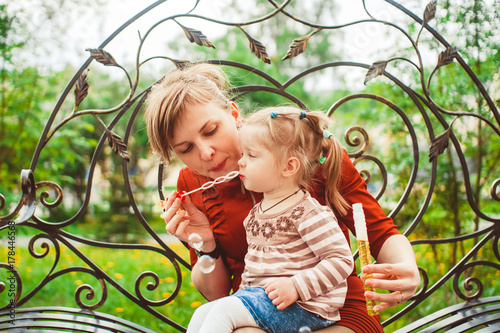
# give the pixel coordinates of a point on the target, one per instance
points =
(180, 64)
(117, 144)
(439, 144)
(375, 70)
(102, 56)
(298, 46)
(429, 12)
(257, 48)
(446, 57)
(81, 88)
(196, 36)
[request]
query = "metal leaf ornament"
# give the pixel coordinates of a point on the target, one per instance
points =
(102, 57)
(298, 45)
(429, 12)
(446, 57)
(180, 64)
(196, 36)
(439, 144)
(117, 144)
(375, 70)
(81, 88)
(257, 48)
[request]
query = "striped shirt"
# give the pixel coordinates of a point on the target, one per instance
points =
(303, 242)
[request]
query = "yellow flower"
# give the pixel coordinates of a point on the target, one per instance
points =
(429, 255)
(166, 295)
(169, 280)
(441, 266)
(118, 275)
(194, 305)
(111, 264)
(119, 310)
(28, 269)
(78, 282)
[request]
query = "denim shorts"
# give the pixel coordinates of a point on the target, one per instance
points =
(272, 320)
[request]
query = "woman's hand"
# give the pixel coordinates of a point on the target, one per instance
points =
(182, 219)
(282, 292)
(397, 272)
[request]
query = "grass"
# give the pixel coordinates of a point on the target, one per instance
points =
(125, 266)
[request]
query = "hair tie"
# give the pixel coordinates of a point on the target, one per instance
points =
(302, 114)
(273, 114)
(327, 134)
(322, 159)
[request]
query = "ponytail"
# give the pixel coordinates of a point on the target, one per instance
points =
(332, 167)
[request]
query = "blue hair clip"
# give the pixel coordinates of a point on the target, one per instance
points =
(327, 134)
(273, 114)
(302, 115)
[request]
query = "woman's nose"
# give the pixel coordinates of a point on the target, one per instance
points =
(206, 153)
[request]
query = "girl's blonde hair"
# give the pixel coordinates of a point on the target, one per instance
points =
(177, 91)
(293, 132)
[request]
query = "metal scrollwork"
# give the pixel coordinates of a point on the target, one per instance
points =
(90, 291)
(495, 190)
(14, 286)
(472, 283)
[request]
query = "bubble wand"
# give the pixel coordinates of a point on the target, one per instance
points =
(365, 257)
(207, 185)
(181, 194)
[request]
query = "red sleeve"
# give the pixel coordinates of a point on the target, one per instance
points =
(353, 188)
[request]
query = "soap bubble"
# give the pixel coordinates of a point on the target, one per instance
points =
(206, 264)
(305, 329)
(195, 241)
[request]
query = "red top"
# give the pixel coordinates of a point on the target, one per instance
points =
(226, 205)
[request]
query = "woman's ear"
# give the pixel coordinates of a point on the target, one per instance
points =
(292, 166)
(235, 112)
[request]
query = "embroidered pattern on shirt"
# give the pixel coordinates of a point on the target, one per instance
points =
(270, 227)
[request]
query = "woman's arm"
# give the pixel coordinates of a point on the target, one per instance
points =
(213, 285)
(396, 270)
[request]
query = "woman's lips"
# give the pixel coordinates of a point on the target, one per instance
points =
(219, 167)
(242, 177)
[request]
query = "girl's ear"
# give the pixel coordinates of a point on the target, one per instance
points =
(292, 166)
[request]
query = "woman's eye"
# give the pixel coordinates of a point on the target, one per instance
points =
(187, 150)
(212, 131)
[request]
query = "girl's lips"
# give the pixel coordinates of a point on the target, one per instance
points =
(242, 177)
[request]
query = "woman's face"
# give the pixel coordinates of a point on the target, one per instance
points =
(206, 139)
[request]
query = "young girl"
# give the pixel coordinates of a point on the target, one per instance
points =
(298, 258)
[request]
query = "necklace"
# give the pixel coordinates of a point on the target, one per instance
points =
(276, 204)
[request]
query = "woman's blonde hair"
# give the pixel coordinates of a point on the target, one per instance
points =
(178, 90)
(293, 132)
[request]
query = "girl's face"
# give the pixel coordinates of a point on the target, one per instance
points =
(258, 169)
(206, 139)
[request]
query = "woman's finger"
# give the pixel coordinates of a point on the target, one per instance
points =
(174, 222)
(172, 210)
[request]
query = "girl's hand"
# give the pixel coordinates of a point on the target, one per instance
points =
(282, 292)
(182, 219)
(401, 279)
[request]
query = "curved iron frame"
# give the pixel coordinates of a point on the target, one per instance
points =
(24, 214)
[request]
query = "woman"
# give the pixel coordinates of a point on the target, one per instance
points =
(188, 114)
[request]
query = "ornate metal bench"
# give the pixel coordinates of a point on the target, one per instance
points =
(470, 278)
